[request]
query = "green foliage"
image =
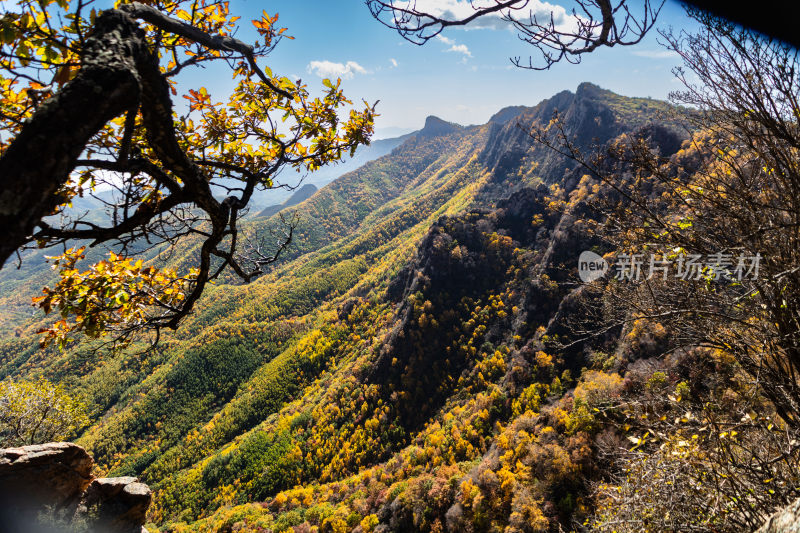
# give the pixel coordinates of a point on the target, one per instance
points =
(399, 358)
(34, 412)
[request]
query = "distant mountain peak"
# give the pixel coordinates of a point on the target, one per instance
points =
(507, 114)
(590, 90)
(434, 127)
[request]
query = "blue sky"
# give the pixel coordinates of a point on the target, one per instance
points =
(465, 77)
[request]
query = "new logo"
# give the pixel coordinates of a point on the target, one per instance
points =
(591, 266)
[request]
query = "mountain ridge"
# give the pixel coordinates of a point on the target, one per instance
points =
(299, 195)
(416, 296)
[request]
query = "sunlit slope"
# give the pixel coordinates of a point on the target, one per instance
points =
(237, 329)
(391, 346)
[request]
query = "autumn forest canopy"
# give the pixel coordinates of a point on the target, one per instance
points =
(410, 337)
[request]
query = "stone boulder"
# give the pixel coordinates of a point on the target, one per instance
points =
(53, 474)
(117, 504)
(50, 487)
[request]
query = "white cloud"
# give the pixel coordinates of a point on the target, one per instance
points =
(329, 69)
(393, 61)
(459, 48)
(656, 54)
(445, 40)
(460, 9)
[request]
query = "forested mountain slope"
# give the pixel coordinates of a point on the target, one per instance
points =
(395, 368)
(304, 192)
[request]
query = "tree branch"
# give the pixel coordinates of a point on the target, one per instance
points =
(60, 128)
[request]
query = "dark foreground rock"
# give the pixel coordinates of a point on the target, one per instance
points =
(48, 488)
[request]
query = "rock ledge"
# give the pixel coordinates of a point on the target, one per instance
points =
(55, 480)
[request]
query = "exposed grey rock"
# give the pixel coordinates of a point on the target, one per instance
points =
(55, 473)
(115, 505)
(48, 488)
(787, 520)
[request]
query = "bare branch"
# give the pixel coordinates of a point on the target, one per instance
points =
(557, 36)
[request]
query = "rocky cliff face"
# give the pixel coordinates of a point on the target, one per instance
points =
(591, 117)
(49, 487)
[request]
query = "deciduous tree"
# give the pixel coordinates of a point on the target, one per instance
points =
(33, 412)
(729, 193)
(88, 101)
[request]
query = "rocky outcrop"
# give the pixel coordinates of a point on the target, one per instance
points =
(787, 520)
(436, 127)
(115, 504)
(55, 473)
(49, 487)
(507, 114)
